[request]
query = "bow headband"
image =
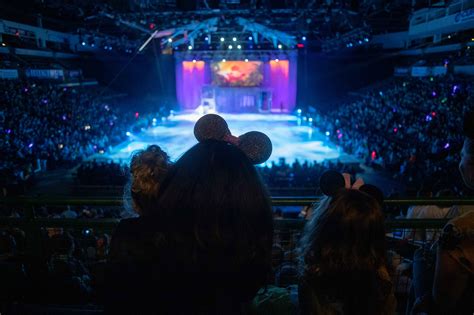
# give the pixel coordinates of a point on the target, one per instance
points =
(331, 182)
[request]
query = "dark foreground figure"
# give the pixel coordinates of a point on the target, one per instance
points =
(204, 247)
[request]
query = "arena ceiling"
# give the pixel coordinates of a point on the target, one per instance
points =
(315, 20)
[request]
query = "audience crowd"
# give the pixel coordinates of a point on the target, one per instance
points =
(410, 127)
(45, 126)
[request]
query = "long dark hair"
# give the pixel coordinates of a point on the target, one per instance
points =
(214, 204)
(343, 253)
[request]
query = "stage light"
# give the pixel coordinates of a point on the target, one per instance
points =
(360, 42)
(222, 39)
(223, 60)
(128, 133)
(239, 47)
(230, 46)
(300, 45)
(246, 60)
(190, 47)
(310, 119)
(280, 46)
(206, 38)
(194, 60)
(277, 60)
(303, 38)
(366, 40)
(250, 37)
(92, 45)
(299, 111)
(170, 40)
(110, 47)
(328, 133)
(3, 44)
(83, 43)
(234, 39)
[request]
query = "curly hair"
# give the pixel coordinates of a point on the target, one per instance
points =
(148, 168)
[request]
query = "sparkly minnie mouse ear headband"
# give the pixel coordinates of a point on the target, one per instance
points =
(256, 145)
(331, 182)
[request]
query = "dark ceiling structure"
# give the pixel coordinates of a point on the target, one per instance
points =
(314, 23)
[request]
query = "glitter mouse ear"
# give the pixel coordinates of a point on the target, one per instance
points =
(256, 145)
(211, 126)
(331, 182)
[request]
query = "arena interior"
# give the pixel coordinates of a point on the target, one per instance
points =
(237, 157)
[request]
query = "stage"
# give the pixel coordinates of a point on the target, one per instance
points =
(291, 137)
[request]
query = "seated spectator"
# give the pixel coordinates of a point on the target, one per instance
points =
(69, 213)
(148, 168)
(467, 163)
(68, 279)
(209, 239)
(343, 267)
(428, 212)
(453, 289)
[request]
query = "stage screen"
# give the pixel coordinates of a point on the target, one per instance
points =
(237, 73)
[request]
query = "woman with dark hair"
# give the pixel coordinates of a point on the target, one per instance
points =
(343, 267)
(217, 229)
(209, 238)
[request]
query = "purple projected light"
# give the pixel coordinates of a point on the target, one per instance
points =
(194, 79)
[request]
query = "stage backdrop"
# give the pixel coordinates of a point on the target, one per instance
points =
(279, 77)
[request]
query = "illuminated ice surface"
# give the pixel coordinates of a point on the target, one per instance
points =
(291, 137)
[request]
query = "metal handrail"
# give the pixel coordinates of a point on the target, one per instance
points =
(276, 201)
(110, 224)
(32, 225)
